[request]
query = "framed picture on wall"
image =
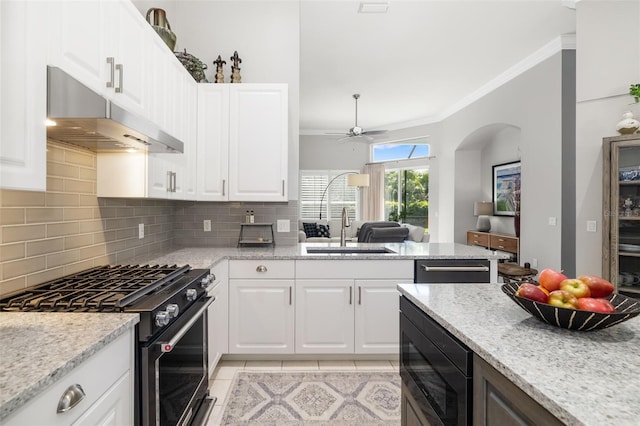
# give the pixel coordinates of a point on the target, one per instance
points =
(506, 189)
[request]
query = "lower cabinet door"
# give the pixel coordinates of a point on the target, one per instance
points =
(114, 408)
(324, 316)
(376, 316)
(261, 316)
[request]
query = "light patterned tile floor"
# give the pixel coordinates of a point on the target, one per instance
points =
(222, 377)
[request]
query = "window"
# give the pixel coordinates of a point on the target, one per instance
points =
(408, 149)
(313, 184)
(406, 195)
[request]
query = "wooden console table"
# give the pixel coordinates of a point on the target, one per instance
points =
(506, 243)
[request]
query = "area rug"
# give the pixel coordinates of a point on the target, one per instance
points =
(313, 398)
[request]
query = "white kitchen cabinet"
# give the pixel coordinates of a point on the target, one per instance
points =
(107, 381)
(371, 318)
(23, 85)
(218, 315)
(261, 309)
(242, 142)
(324, 316)
(103, 44)
(376, 315)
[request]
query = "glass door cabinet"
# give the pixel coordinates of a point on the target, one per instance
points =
(621, 213)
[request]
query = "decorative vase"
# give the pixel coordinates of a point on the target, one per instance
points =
(157, 18)
(628, 125)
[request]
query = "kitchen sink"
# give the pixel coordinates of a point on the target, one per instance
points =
(348, 250)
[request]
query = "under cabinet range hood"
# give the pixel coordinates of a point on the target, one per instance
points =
(79, 116)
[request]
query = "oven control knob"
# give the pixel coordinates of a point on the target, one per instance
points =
(204, 283)
(192, 294)
(172, 309)
(162, 318)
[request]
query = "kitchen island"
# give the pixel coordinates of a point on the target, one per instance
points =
(582, 378)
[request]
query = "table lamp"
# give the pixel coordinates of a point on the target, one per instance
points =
(483, 209)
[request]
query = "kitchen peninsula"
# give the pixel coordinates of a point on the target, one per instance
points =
(581, 378)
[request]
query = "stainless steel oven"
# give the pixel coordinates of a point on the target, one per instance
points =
(174, 371)
(436, 369)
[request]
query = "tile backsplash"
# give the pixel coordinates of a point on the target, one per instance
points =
(46, 235)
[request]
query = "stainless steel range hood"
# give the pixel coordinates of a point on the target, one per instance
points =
(84, 118)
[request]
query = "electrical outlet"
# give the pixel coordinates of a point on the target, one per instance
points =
(140, 231)
(534, 263)
(552, 221)
(591, 226)
(284, 225)
(207, 225)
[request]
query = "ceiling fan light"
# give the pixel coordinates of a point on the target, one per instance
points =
(373, 7)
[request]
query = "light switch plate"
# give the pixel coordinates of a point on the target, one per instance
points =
(284, 225)
(592, 226)
(552, 221)
(140, 231)
(207, 225)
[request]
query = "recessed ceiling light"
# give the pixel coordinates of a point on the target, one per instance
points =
(371, 7)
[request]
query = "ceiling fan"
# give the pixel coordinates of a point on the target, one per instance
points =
(357, 131)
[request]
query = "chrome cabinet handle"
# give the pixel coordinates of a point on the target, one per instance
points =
(456, 268)
(173, 181)
(283, 187)
(119, 67)
(110, 61)
(290, 295)
(70, 398)
(261, 268)
(168, 181)
(350, 295)
(224, 183)
(359, 295)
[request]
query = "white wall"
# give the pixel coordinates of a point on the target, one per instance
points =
(322, 153)
(608, 61)
(266, 35)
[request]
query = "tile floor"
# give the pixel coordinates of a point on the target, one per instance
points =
(220, 381)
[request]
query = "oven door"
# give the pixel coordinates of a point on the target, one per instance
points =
(174, 382)
(442, 392)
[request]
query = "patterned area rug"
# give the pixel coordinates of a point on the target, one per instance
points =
(314, 398)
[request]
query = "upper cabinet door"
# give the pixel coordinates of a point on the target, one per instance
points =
(258, 142)
(103, 45)
(80, 49)
(213, 142)
(23, 85)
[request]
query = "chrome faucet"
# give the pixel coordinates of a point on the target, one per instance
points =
(343, 231)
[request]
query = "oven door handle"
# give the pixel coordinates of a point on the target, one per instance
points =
(168, 346)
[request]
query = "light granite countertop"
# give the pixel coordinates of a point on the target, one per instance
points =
(583, 378)
(206, 257)
(36, 349)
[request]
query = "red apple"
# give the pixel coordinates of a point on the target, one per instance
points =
(599, 287)
(596, 305)
(576, 287)
(531, 291)
(551, 279)
(563, 299)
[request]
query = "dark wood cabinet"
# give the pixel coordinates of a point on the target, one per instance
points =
(411, 414)
(621, 213)
(497, 401)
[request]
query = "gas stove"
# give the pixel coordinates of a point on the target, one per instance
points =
(157, 293)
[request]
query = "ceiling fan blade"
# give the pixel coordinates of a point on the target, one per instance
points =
(338, 134)
(374, 132)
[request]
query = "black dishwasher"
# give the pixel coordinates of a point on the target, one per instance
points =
(451, 271)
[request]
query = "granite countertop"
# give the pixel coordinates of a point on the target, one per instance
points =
(206, 257)
(36, 349)
(583, 378)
